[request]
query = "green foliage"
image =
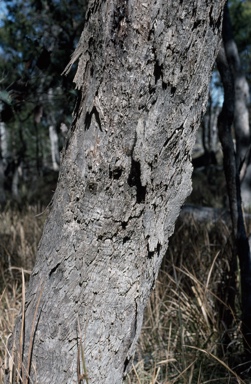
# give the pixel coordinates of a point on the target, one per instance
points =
(37, 38)
(240, 12)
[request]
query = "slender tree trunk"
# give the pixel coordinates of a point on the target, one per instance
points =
(209, 127)
(2, 177)
(54, 147)
(241, 113)
(4, 152)
(225, 121)
(4, 138)
(143, 72)
(53, 135)
(15, 182)
(241, 100)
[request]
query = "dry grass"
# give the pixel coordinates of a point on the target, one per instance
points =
(20, 232)
(182, 337)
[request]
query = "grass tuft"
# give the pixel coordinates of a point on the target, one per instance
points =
(20, 231)
(182, 340)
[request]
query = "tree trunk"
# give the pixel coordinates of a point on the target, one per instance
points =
(4, 153)
(54, 147)
(241, 88)
(241, 113)
(143, 72)
(209, 127)
(55, 156)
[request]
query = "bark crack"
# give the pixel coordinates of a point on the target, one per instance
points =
(169, 139)
(158, 70)
(150, 254)
(88, 118)
(53, 270)
(135, 181)
(128, 359)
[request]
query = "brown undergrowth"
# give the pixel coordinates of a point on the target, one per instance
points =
(185, 337)
(20, 231)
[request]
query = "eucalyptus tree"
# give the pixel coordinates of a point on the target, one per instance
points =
(143, 74)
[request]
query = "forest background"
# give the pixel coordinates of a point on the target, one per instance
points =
(192, 333)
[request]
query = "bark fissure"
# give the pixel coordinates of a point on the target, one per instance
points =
(173, 139)
(53, 270)
(88, 118)
(134, 180)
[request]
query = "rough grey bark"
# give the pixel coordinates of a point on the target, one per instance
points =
(143, 73)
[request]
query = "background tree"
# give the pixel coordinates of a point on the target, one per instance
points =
(143, 74)
(233, 122)
(234, 110)
(34, 37)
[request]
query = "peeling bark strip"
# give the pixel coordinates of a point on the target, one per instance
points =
(143, 73)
